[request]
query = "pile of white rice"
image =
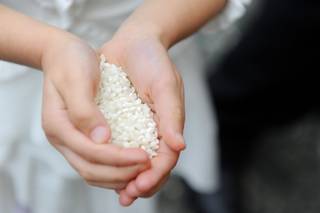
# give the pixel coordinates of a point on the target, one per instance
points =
(131, 120)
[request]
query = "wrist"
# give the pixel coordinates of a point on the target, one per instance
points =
(133, 29)
(55, 43)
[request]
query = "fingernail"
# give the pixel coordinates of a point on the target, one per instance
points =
(99, 134)
(181, 145)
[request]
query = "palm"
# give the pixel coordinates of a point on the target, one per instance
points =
(160, 86)
(70, 114)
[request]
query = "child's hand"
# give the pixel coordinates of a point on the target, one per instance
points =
(159, 84)
(73, 122)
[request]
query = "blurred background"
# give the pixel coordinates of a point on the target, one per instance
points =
(252, 125)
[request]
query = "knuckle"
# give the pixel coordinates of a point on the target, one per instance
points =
(86, 174)
(142, 189)
(88, 153)
(82, 115)
(128, 176)
(118, 178)
(121, 177)
(95, 154)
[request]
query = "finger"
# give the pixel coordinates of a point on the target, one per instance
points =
(113, 186)
(78, 89)
(57, 126)
(148, 182)
(97, 174)
(109, 154)
(146, 191)
(126, 200)
(147, 185)
(132, 190)
(169, 106)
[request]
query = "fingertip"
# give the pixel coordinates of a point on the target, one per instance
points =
(175, 141)
(132, 190)
(125, 200)
(178, 145)
(100, 134)
(143, 184)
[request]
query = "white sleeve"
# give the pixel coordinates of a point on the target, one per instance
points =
(233, 10)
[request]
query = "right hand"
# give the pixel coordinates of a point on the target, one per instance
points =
(157, 81)
(74, 124)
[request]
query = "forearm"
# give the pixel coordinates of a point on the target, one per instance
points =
(23, 39)
(173, 20)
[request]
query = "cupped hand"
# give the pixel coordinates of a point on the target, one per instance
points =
(158, 83)
(72, 121)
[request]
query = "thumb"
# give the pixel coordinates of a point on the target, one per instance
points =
(79, 96)
(89, 120)
(169, 107)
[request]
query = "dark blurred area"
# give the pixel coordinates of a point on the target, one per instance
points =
(265, 91)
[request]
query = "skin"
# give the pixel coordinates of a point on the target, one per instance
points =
(70, 118)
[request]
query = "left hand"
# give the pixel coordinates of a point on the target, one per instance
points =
(73, 122)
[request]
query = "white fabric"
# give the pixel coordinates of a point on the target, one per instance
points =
(233, 10)
(36, 175)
